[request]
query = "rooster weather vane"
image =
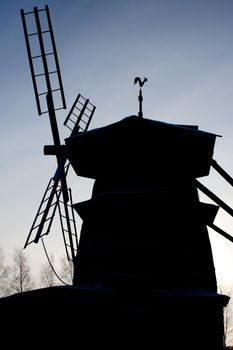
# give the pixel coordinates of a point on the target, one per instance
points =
(140, 97)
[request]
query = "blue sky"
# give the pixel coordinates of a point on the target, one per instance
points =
(183, 47)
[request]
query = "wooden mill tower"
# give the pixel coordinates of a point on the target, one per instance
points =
(144, 231)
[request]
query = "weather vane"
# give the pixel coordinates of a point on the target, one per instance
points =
(140, 98)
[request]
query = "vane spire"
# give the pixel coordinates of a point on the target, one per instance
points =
(140, 97)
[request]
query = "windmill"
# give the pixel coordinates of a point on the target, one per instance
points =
(49, 95)
(130, 196)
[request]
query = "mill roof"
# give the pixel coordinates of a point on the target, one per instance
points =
(141, 146)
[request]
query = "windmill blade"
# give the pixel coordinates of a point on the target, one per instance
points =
(80, 115)
(221, 232)
(52, 200)
(222, 172)
(56, 194)
(49, 93)
(214, 198)
(47, 209)
(43, 58)
(68, 226)
(77, 120)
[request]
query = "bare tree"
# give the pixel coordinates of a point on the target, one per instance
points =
(4, 275)
(21, 279)
(228, 316)
(47, 275)
(228, 321)
(66, 271)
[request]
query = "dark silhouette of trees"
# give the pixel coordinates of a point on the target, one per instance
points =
(21, 279)
(47, 275)
(228, 313)
(228, 319)
(17, 278)
(66, 271)
(4, 275)
(51, 275)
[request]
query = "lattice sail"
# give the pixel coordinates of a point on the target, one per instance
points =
(43, 58)
(80, 115)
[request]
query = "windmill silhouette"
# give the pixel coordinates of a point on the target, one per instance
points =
(138, 267)
(49, 95)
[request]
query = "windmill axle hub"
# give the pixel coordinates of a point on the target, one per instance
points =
(52, 150)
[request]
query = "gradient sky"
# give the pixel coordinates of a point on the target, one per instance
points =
(183, 47)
